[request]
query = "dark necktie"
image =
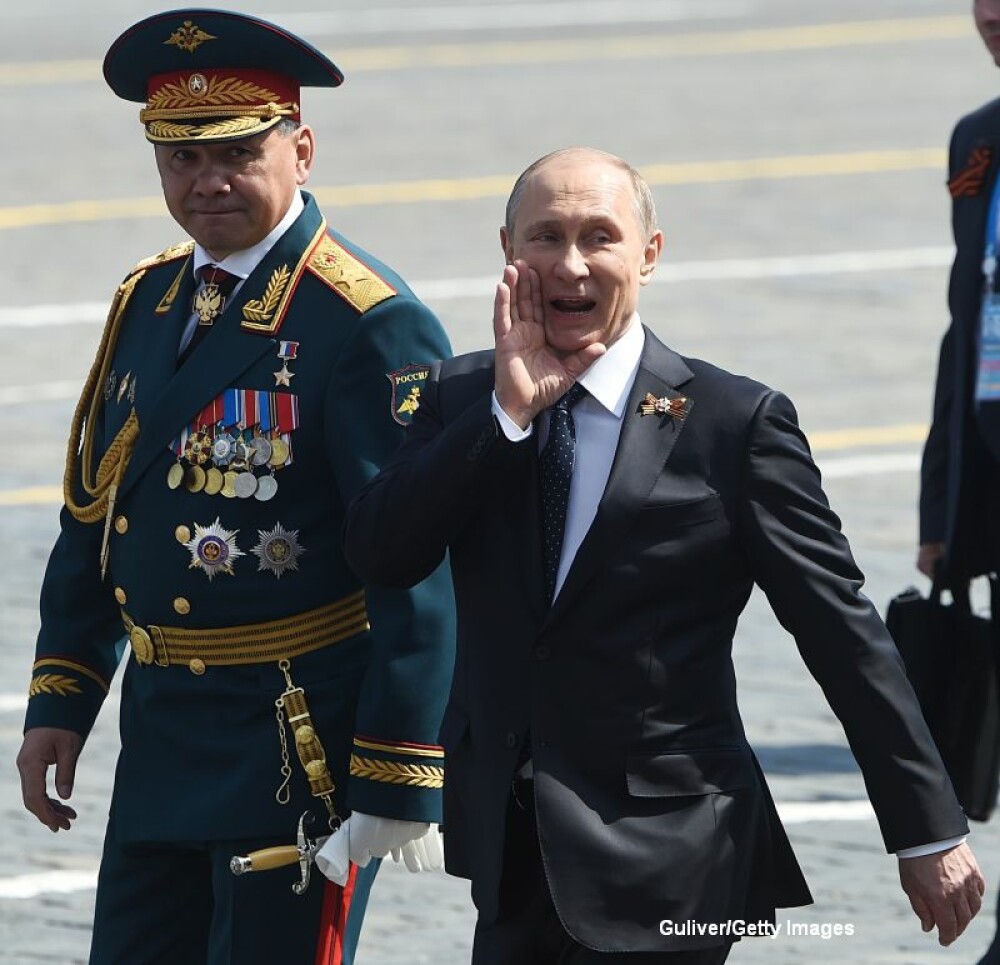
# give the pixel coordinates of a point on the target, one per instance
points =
(209, 301)
(555, 466)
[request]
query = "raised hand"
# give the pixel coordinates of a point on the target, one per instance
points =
(530, 374)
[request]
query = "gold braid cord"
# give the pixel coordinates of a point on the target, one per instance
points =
(80, 455)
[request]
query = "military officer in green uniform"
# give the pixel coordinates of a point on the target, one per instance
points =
(248, 383)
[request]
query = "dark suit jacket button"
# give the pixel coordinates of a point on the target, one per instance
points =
(542, 652)
(511, 740)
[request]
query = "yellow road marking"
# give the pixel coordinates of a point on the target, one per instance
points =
(497, 186)
(605, 48)
(835, 440)
(838, 439)
(32, 496)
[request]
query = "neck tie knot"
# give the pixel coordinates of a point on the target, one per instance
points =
(223, 280)
(573, 395)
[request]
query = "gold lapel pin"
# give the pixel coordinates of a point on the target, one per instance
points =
(651, 405)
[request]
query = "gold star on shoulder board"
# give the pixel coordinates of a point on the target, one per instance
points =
(284, 376)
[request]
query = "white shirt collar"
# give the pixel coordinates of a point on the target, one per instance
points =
(242, 263)
(609, 380)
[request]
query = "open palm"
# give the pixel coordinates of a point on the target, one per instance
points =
(530, 374)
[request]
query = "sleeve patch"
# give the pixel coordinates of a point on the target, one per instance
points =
(407, 384)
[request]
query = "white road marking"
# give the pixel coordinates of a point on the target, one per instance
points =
(850, 467)
(23, 887)
(805, 812)
(730, 269)
(444, 289)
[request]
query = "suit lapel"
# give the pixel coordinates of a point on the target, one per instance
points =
(226, 352)
(644, 446)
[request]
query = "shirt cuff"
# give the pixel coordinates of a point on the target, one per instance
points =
(933, 848)
(507, 425)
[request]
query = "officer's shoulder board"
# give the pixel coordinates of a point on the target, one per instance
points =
(173, 253)
(344, 273)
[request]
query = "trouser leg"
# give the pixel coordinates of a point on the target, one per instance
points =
(179, 904)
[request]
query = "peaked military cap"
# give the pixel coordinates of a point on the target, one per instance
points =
(213, 75)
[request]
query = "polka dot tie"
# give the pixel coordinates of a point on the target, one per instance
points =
(555, 471)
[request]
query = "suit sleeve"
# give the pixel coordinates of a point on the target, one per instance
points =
(396, 767)
(430, 489)
(802, 561)
(81, 637)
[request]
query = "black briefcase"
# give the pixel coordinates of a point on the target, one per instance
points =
(949, 653)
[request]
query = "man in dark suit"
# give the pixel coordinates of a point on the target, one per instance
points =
(601, 793)
(960, 474)
(960, 479)
(249, 381)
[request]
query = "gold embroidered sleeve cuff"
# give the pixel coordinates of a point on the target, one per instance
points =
(64, 693)
(400, 763)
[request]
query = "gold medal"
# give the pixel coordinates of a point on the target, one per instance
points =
(279, 452)
(198, 449)
(194, 479)
(229, 484)
(175, 475)
(214, 481)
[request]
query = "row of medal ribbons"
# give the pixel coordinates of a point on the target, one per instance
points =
(235, 444)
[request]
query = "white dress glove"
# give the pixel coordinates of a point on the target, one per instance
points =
(423, 853)
(363, 837)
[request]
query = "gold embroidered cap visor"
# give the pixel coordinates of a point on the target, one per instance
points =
(213, 75)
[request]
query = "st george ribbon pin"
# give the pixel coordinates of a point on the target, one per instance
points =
(651, 405)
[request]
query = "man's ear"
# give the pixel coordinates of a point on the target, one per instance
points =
(507, 244)
(305, 150)
(650, 256)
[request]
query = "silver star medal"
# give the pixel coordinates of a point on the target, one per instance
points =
(213, 549)
(278, 550)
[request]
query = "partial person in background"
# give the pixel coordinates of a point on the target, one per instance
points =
(250, 381)
(608, 506)
(960, 475)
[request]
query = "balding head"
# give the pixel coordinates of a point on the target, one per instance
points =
(645, 209)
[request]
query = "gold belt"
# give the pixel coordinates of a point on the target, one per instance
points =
(252, 642)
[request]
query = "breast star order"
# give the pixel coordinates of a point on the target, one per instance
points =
(278, 550)
(213, 549)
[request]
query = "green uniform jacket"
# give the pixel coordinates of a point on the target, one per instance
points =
(201, 753)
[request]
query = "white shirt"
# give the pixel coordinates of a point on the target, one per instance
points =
(240, 263)
(598, 418)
